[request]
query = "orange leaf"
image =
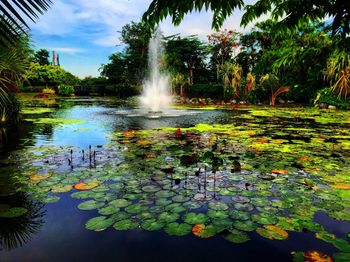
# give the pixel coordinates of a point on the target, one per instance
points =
(304, 158)
(316, 256)
(280, 171)
(341, 186)
(198, 229)
(40, 176)
(86, 186)
(262, 140)
(149, 156)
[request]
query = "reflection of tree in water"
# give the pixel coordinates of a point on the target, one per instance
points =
(14, 232)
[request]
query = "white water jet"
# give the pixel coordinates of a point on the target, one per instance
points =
(156, 90)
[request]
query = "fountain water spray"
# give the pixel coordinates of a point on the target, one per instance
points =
(156, 90)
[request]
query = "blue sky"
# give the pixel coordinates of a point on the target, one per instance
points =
(85, 32)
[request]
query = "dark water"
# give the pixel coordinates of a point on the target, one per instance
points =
(59, 232)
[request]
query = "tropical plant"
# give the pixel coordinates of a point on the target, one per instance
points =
(48, 90)
(178, 80)
(289, 12)
(250, 84)
(273, 82)
(231, 75)
(12, 14)
(13, 63)
(42, 57)
(338, 73)
(65, 90)
(185, 55)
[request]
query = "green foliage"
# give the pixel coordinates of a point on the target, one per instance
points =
(42, 57)
(43, 75)
(290, 12)
(326, 96)
(12, 23)
(185, 56)
(65, 90)
(214, 91)
(231, 75)
(338, 73)
(49, 91)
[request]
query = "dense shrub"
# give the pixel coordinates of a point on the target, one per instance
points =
(65, 90)
(326, 96)
(122, 90)
(49, 91)
(214, 91)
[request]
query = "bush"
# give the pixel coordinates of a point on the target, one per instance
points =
(65, 90)
(214, 91)
(49, 91)
(122, 90)
(326, 96)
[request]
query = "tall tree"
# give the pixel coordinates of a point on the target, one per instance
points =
(42, 57)
(185, 55)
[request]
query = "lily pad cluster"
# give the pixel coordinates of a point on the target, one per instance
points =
(232, 179)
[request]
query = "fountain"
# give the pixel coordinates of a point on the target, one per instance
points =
(156, 90)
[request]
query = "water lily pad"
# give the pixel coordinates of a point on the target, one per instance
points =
(152, 224)
(120, 203)
(237, 237)
(176, 229)
(90, 205)
(50, 199)
(272, 232)
(125, 224)
(61, 188)
(168, 217)
(203, 231)
(245, 225)
(193, 218)
(151, 189)
(108, 210)
(39, 177)
(135, 208)
(265, 219)
(341, 257)
(175, 208)
(13, 212)
(217, 214)
(180, 198)
(244, 207)
(99, 223)
(165, 193)
(218, 206)
(86, 185)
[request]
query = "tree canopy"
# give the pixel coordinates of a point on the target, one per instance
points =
(287, 12)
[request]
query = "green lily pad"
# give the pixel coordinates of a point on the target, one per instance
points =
(125, 224)
(193, 218)
(152, 224)
(218, 206)
(90, 205)
(341, 257)
(265, 219)
(176, 229)
(61, 188)
(99, 223)
(50, 199)
(245, 225)
(217, 214)
(108, 210)
(272, 232)
(13, 212)
(120, 203)
(237, 237)
(168, 217)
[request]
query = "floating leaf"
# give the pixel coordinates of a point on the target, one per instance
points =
(125, 224)
(99, 223)
(272, 232)
(13, 212)
(86, 185)
(237, 237)
(120, 203)
(316, 256)
(193, 218)
(152, 224)
(39, 177)
(90, 205)
(176, 229)
(218, 206)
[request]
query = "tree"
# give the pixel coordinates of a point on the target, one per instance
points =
(136, 37)
(12, 14)
(185, 55)
(231, 75)
(13, 62)
(116, 71)
(223, 45)
(42, 57)
(288, 12)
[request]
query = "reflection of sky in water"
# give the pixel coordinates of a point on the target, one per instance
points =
(100, 121)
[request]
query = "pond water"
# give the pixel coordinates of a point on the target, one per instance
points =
(96, 179)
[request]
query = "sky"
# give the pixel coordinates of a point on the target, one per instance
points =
(85, 32)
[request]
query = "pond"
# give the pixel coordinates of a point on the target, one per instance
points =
(95, 179)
